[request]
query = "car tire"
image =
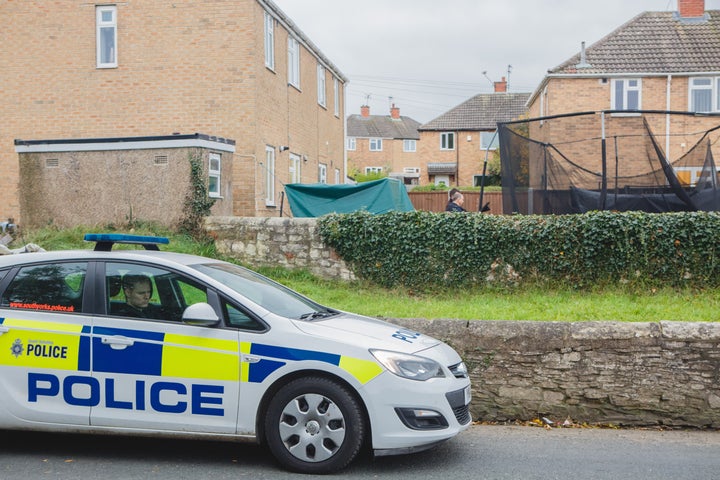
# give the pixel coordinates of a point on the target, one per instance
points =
(314, 425)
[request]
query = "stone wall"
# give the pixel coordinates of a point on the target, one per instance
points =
(277, 241)
(665, 373)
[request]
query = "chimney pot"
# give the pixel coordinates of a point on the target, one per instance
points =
(365, 111)
(394, 112)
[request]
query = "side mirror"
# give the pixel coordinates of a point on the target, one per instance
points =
(201, 315)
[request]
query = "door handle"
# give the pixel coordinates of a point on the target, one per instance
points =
(118, 342)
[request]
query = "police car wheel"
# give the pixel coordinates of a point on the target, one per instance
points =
(314, 425)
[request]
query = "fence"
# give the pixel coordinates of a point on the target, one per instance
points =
(436, 201)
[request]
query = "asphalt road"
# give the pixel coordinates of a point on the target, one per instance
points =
(482, 452)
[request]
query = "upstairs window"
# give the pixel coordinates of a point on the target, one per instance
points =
(269, 41)
(351, 143)
(322, 173)
(489, 141)
(376, 144)
(447, 141)
(409, 145)
(322, 98)
(703, 98)
(295, 163)
(626, 94)
(293, 62)
(106, 25)
(214, 169)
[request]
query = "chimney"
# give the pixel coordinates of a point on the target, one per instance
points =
(395, 112)
(500, 86)
(691, 8)
(365, 110)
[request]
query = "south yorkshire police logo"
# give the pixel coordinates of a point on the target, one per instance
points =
(17, 348)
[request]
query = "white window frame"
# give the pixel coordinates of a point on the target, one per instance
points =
(269, 176)
(486, 138)
(627, 86)
(447, 141)
(295, 164)
(711, 87)
(215, 173)
(293, 62)
(369, 170)
(336, 96)
(351, 144)
(102, 27)
(337, 176)
(376, 144)
(409, 145)
(322, 173)
(321, 93)
(269, 41)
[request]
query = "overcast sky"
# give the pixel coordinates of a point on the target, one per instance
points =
(430, 55)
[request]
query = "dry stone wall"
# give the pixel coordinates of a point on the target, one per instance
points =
(661, 373)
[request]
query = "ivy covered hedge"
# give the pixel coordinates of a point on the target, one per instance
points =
(424, 249)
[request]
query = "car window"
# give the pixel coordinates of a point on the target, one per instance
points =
(55, 287)
(236, 317)
(142, 291)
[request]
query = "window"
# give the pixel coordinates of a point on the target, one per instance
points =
(269, 176)
(409, 145)
(626, 94)
(322, 100)
(701, 94)
(142, 291)
(295, 168)
(106, 36)
(447, 141)
(376, 144)
(337, 182)
(369, 170)
(56, 287)
(351, 143)
(322, 173)
(293, 62)
(489, 140)
(214, 169)
(336, 96)
(269, 41)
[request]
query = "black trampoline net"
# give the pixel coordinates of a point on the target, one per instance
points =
(610, 160)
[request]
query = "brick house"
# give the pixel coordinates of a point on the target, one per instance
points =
(657, 61)
(74, 71)
(383, 144)
(454, 145)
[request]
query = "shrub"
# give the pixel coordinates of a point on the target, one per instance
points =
(425, 249)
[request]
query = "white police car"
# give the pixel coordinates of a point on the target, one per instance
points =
(160, 343)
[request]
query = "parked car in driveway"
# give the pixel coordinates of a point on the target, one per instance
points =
(153, 342)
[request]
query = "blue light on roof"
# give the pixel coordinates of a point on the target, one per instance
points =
(105, 241)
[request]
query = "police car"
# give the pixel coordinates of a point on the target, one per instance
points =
(150, 342)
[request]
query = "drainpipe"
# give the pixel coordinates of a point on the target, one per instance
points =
(667, 118)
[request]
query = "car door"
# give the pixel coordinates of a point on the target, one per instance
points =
(157, 372)
(45, 345)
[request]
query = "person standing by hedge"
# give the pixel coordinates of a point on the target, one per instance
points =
(455, 203)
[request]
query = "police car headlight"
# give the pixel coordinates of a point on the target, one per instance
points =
(408, 366)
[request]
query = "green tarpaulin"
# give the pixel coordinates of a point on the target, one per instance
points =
(379, 196)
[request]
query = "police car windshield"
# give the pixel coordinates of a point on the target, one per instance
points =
(263, 291)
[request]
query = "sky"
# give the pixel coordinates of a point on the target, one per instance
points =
(428, 56)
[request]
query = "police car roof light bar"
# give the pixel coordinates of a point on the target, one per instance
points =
(105, 241)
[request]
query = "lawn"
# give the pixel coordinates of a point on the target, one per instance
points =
(521, 303)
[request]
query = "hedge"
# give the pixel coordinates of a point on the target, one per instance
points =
(426, 249)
